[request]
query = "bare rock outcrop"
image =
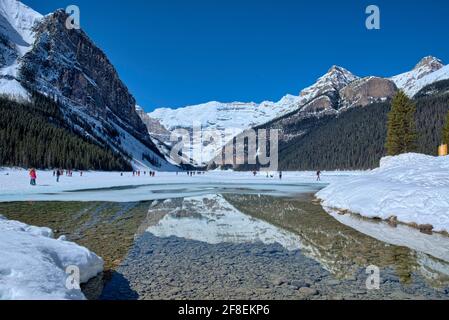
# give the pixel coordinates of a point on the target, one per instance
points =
(365, 91)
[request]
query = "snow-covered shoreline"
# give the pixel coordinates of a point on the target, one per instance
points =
(412, 188)
(33, 264)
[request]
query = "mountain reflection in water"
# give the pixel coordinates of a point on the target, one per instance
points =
(301, 224)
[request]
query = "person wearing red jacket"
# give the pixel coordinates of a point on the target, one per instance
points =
(33, 177)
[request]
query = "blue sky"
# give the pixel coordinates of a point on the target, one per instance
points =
(172, 53)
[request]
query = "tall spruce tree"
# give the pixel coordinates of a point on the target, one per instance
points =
(446, 130)
(401, 135)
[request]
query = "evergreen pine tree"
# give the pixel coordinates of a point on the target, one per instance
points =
(401, 135)
(446, 130)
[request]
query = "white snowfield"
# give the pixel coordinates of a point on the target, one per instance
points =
(412, 187)
(33, 264)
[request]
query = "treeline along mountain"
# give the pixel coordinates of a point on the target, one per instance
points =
(355, 139)
(34, 134)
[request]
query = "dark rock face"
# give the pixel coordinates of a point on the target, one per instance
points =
(154, 127)
(67, 63)
(7, 52)
(366, 91)
(318, 105)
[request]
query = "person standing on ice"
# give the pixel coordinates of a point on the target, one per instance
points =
(58, 174)
(318, 175)
(280, 175)
(33, 177)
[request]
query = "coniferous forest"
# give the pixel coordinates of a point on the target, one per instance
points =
(34, 134)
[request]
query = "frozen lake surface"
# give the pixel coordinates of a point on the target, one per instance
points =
(113, 187)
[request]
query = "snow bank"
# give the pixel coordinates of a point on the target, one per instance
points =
(435, 245)
(33, 263)
(412, 187)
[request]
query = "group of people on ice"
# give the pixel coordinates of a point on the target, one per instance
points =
(138, 173)
(271, 175)
(59, 172)
(193, 173)
(56, 173)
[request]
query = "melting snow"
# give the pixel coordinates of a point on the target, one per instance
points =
(33, 264)
(412, 187)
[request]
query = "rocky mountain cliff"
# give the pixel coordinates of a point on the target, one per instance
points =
(39, 54)
(67, 64)
(363, 92)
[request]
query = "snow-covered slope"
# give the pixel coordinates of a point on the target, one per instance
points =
(241, 115)
(412, 187)
(16, 23)
(16, 39)
(33, 264)
(217, 117)
(427, 71)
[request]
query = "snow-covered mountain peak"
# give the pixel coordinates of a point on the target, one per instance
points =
(337, 71)
(333, 81)
(430, 63)
(427, 71)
